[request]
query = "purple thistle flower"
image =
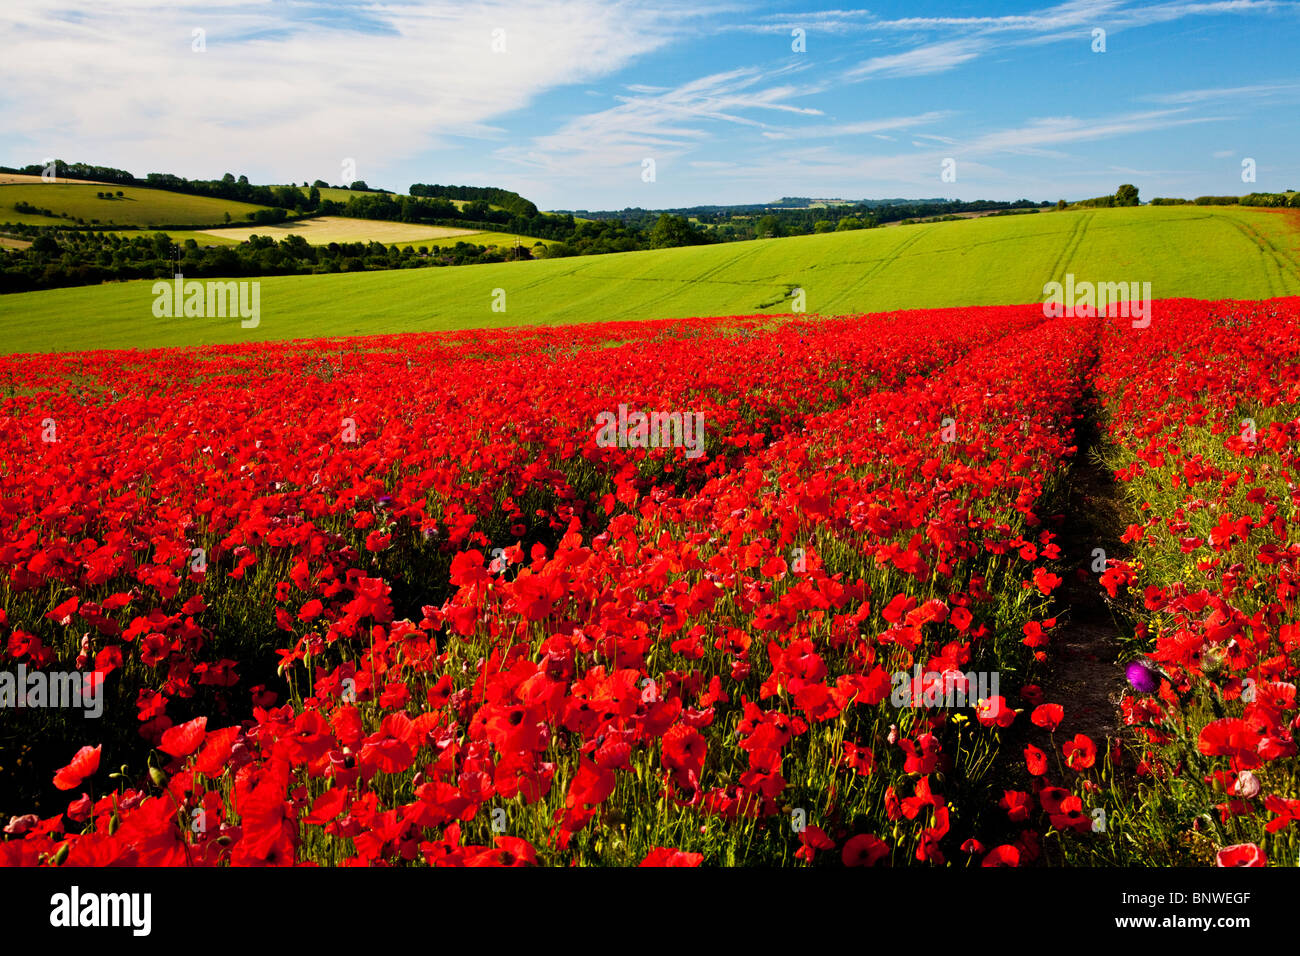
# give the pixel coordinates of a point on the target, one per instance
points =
(1142, 677)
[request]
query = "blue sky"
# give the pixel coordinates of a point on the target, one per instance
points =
(578, 94)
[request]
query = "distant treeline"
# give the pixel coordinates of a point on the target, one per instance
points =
(733, 223)
(78, 257)
(520, 216)
(1289, 199)
(1128, 196)
(512, 202)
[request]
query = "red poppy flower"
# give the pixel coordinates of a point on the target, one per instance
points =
(1241, 854)
(684, 749)
(83, 765)
(1004, 855)
(995, 711)
(590, 785)
(1231, 737)
(1045, 581)
(813, 839)
(1080, 753)
(864, 850)
(1035, 760)
(1017, 805)
(665, 856)
(184, 739)
(216, 751)
(1048, 716)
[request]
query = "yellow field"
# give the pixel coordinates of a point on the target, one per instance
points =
(322, 230)
(11, 179)
(7, 243)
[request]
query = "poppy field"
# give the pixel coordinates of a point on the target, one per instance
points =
(394, 600)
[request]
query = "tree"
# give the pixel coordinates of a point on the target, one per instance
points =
(823, 225)
(850, 222)
(673, 230)
(313, 197)
(1060, 204)
(769, 227)
(1126, 195)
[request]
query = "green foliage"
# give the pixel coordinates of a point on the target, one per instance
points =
(1275, 200)
(511, 202)
(672, 231)
(80, 258)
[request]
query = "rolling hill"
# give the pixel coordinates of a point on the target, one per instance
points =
(137, 206)
(1183, 251)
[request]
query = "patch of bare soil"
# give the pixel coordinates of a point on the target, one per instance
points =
(1085, 675)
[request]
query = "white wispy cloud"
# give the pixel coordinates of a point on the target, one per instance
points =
(969, 38)
(662, 124)
(1033, 137)
(861, 127)
(919, 61)
(1222, 93)
(287, 91)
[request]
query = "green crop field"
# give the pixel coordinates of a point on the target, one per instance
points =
(137, 206)
(1202, 252)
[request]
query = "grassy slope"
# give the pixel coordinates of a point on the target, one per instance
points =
(1202, 252)
(137, 207)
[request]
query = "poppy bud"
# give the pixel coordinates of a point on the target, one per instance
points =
(1212, 661)
(1246, 785)
(62, 854)
(158, 777)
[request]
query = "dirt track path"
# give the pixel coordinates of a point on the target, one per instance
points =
(1086, 678)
